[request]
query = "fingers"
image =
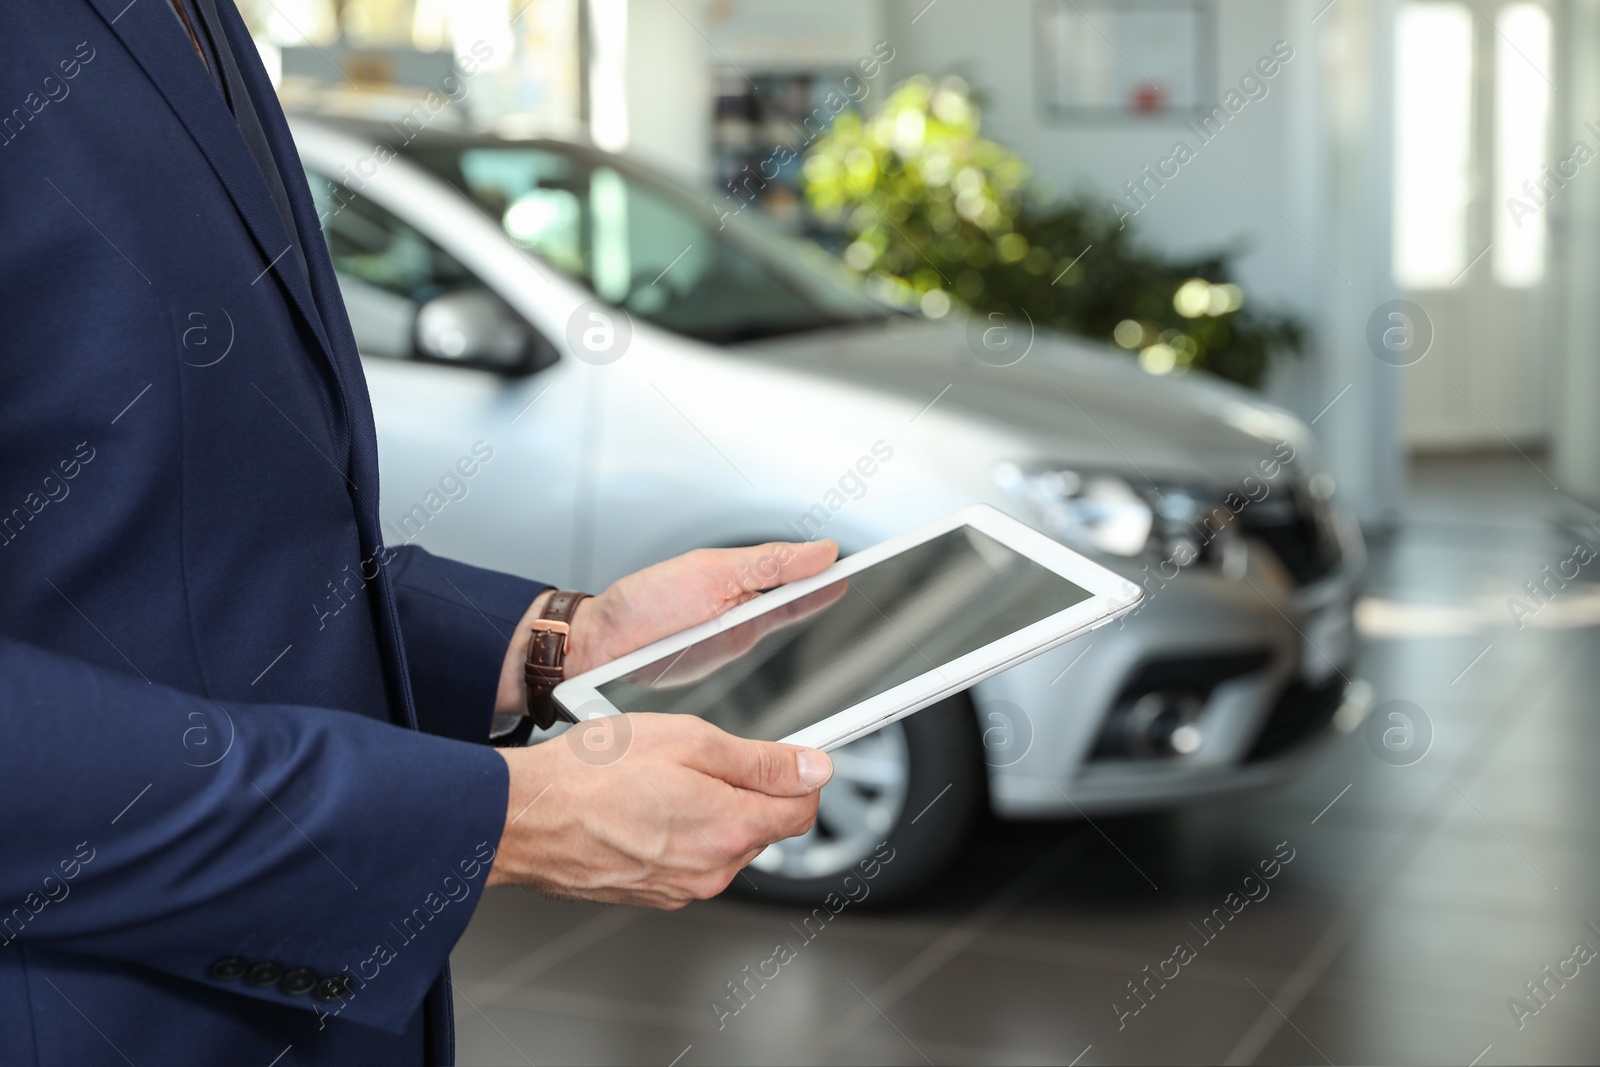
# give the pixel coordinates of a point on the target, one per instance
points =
(768, 767)
(706, 656)
(776, 819)
(801, 608)
(762, 567)
(752, 822)
(675, 821)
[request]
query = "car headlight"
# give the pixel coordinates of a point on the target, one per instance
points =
(1110, 513)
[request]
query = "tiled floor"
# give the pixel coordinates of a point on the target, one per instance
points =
(1414, 908)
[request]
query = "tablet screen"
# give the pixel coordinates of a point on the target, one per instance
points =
(794, 666)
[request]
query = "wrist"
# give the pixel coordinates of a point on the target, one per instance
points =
(580, 654)
(511, 696)
(525, 624)
(499, 870)
(531, 773)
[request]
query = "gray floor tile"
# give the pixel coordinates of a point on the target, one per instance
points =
(1416, 905)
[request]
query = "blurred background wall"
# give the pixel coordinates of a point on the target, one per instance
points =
(1432, 112)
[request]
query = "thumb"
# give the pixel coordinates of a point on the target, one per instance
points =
(768, 767)
(762, 567)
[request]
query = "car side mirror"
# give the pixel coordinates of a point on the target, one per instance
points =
(473, 327)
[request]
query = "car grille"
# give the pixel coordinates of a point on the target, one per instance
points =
(1297, 529)
(1194, 677)
(1301, 713)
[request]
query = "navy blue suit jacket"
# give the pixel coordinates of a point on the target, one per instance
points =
(199, 763)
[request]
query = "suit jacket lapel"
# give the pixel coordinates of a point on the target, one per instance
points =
(329, 301)
(150, 32)
(154, 36)
(343, 357)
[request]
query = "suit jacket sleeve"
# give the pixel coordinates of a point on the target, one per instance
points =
(456, 621)
(152, 827)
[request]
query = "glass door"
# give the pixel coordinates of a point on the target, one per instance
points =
(1474, 176)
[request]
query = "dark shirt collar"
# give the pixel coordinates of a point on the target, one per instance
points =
(204, 29)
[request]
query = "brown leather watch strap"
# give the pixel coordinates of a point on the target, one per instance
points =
(547, 654)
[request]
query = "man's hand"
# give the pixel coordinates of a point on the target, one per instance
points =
(653, 810)
(705, 656)
(659, 601)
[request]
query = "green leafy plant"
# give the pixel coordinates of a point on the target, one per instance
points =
(936, 214)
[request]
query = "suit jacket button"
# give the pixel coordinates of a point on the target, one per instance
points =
(264, 974)
(229, 968)
(299, 982)
(334, 987)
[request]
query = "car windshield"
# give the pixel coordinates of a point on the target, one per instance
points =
(651, 247)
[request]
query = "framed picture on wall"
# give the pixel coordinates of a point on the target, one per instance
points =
(1113, 60)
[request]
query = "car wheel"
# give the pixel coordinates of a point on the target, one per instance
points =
(915, 786)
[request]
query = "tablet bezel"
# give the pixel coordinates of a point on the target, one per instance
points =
(1110, 597)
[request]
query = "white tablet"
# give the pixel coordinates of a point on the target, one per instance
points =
(878, 635)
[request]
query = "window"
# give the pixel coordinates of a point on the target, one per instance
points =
(1521, 111)
(1433, 142)
(1437, 163)
(387, 269)
(647, 247)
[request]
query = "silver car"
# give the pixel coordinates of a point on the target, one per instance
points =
(633, 368)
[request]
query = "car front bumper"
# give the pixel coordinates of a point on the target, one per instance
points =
(1271, 666)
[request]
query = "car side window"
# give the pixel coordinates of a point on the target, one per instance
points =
(387, 269)
(661, 260)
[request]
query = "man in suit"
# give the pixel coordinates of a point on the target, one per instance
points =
(233, 834)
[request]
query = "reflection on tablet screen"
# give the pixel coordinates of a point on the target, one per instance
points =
(844, 643)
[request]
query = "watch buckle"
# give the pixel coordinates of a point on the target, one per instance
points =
(554, 626)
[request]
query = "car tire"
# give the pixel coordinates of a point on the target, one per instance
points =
(922, 820)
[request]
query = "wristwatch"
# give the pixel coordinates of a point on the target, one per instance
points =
(547, 654)
(544, 669)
